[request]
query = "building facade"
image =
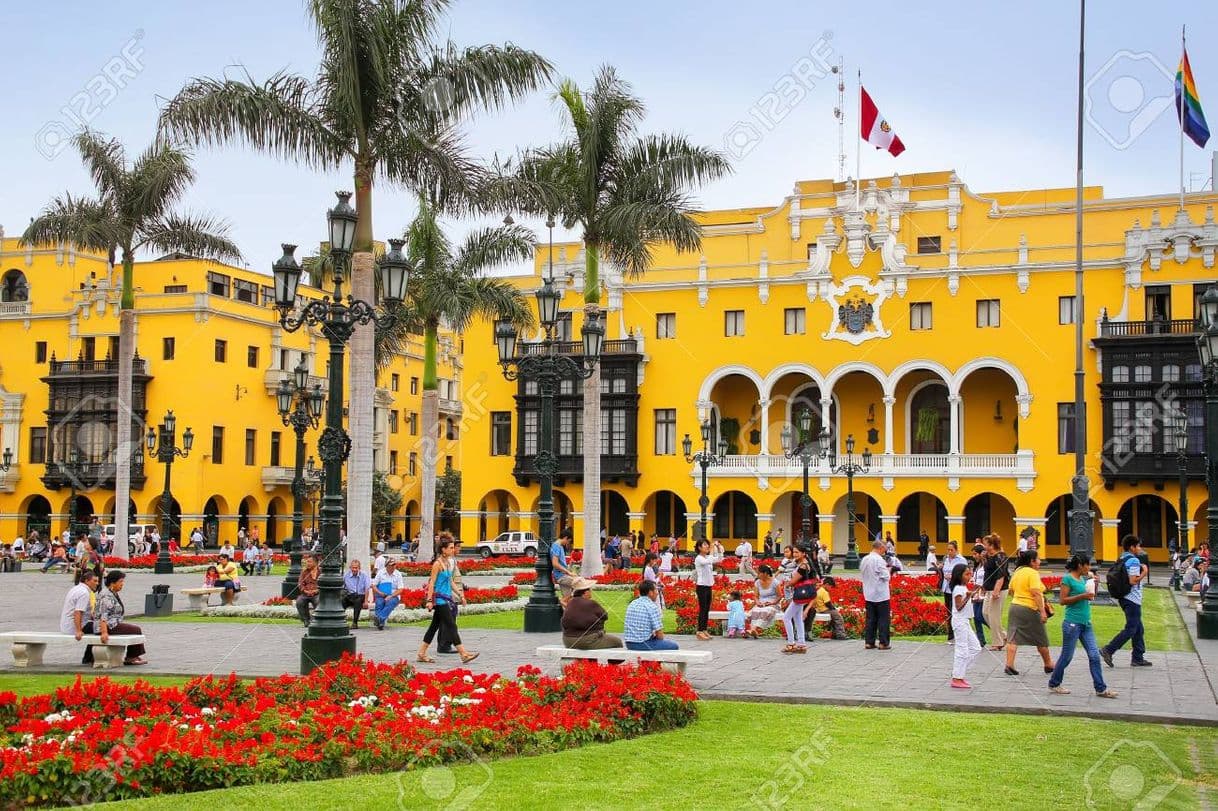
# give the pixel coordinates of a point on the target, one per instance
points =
(210, 349)
(932, 325)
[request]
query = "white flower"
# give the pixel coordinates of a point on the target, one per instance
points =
(467, 679)
(479, 690)
(207, 711)
(56, 717)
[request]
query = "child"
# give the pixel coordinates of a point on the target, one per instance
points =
(735, 616)
(666, 561)
(824, 605)
(209, 579)
(932, 562)
(967, 646)
(652, 569)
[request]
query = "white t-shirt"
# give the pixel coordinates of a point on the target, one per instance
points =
(18, 545)
(1022, 546)
(378, 563)
(79, 598)
(931, 561)
(666, 562)
(744, 549)
(961, 616)
(395, 580)
(704, 565)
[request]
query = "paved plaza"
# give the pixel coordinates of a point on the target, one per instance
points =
(1179, 688)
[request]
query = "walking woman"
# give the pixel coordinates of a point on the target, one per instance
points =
(441, 599)
(704, 569)
(1077, 592)
(967, 644)
(996, 582)
(801, 593)
(1029, 612)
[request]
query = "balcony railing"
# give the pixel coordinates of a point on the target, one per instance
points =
(15, 309)
(980, 465)
(271, 378)
(614, 468)
(618, 346)
(448, 406)
(82, 366)
(1154, 326)
(87, 475)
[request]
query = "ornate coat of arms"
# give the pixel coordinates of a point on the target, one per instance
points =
(855, 315)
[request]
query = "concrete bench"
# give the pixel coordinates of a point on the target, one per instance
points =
(673, 661)
(721, 616)
(199, 597)
(1194, 599)
(27, 648)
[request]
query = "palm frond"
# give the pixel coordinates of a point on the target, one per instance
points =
(488, 248)
(105, 160)
(194, 234)
(80, 221)
(159, 178)
(458, 81)
(667, 162)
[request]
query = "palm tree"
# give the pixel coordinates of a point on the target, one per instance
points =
(133, 209)
(449, 287)
(387, 96)
(626, 192)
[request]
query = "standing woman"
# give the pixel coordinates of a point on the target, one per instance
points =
(110, 617)
(1029, 612)
(87, 559)
(978, 593)
(801, 593)
(441, 599)
(704, 569)
(996, 582)
(967, 645)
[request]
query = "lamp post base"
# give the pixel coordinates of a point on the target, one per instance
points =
(317, 650)
(543, 617)
(1207, 619)
(288, 590)
(852, 558)
(163, 566)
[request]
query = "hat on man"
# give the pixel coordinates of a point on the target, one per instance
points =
(582, 584)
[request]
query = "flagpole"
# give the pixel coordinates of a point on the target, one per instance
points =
(858, 149)
(1180, 111)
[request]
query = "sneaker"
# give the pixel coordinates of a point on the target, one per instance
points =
(1106, 655)
(961, 684)
(1140, 663)
(1107, 694)
(1059, 690)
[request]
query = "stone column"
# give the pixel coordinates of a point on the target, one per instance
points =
(953, 410)
(955, 530)
(765, 426)
(889, 402)
(888, 523)
(636, 521)
(825, 530)
(764, 523)
(1109, 548)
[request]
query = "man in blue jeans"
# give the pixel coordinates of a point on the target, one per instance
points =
(645, 623)
(1131, 604)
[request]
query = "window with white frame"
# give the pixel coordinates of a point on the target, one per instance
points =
(666, 431)
(666, 325)
(733, 323)
(920, 315)
(530, 428)
(793, 321)
(988, 312)
(1067, 309)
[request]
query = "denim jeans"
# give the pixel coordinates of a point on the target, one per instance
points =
(1072, 634)
(385, 605)
(1133, 630)
(653, 644)
(979, 621)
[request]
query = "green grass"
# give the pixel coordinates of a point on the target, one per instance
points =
(614, 602)
(1165, 629)
(28, 684)
(809, 756)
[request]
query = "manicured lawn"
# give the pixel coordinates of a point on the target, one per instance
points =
(614, 602)
(28, 684)
(826, 757)
(1165, 629)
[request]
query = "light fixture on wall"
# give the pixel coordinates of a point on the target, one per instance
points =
(242, 391)
(998, 411)
(871, 414)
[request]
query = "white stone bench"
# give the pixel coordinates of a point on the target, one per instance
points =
(1194, 599)
(28, 648)
(199, 597)
(673, 661)
(722, 616)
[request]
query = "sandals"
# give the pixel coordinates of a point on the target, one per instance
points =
(425, 659)
(788, 649)
(466, 658)
(1107, 694)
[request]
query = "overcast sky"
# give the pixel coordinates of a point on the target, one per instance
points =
(987, 89)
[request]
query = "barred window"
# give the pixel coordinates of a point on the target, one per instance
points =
(1120, 428)
(530, 428)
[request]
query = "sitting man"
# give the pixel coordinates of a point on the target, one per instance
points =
(583, 620)
(7, 559)
(267, 559)
(387, 592)
(645, 622)
(58, 557)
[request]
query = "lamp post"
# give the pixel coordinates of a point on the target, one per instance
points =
(704, 459)
(1180, 437)
(544, 364)
(70, 470)
(8, 460)
(806, 450)
(162, 444)
(328, 636)
(313, 476)
(301, 408)
(849, 469)
(1207, 344)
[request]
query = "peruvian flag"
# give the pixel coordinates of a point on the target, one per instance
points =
(875, 129)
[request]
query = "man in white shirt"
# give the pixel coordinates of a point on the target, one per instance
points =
(19, 547)
(378, 563)
(876, 596)
(77, 615)
(387, 592)
(745, 553)
(196, 540)
(227, 549)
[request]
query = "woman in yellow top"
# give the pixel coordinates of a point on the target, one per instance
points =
(226, 578)
(1029, 612)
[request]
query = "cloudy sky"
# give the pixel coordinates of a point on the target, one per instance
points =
(987, 89)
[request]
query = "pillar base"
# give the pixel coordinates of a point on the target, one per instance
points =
(852, 559)
(317, 650)
(542, 617)
(1207, 617)
(288, 590)
(163, 567)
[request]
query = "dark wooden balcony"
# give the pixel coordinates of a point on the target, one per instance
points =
(614, 469)
(1143, 329)
(93, 475)
(618, 346)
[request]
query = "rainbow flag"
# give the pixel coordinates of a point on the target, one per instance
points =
(1188, 105)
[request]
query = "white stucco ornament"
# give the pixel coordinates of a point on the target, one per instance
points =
(854, 310)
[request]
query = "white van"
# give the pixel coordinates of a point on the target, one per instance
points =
(510, 543)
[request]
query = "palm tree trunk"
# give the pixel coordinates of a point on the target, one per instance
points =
(362, 365)
(429, 444)
(124, 452)
(591, 564)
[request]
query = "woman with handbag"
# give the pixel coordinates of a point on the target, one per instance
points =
(441, 598)
(802, 594)
(110, 618)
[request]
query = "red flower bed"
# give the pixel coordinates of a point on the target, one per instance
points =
(105, 741)
(414, 598)
(149, 561)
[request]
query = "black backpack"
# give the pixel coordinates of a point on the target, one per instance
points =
(1118, 579)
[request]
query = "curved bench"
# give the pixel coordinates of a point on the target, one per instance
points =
(27, 648)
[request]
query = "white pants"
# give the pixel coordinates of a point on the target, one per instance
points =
(967, 646)
(793, 621)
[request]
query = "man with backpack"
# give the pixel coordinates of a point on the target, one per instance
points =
(1125, 583)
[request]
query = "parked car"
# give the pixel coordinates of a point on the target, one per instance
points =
(135, 533)
(510, 543)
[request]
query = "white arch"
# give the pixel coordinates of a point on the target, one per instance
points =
(854, 366)
(708, 384)
(957, 380)
(791, 368)
(837, 409)
(908, 366)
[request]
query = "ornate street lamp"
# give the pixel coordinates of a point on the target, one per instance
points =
(328, 636)
(1207, 345)
(704, 459)
(806, 450)
(545, 365)
(301, 408)
(313, 476)
(1180, 438)
(70, 470)
(849, 468)
(8, 460)
(162, 445)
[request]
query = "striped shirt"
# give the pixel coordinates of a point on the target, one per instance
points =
(643, 619)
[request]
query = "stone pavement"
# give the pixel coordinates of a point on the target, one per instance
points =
(1177, 689)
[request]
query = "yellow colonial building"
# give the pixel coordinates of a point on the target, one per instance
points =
(209, 348)
(932, 324)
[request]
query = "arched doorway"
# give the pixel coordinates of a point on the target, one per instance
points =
(1151, 518)
(411, 518)
(665, 515)
(38, 517)
(929, 418)
(735, 517)
(985, 513)
(248, 507)
(921, 512)
(614, 518)
(866, 523)
(736, 415)
(14, 287)
(788, 513)
(212, 510)
(174, 528)
(78, 514)
(273, 511)
(1056, 540)
(495, 513)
